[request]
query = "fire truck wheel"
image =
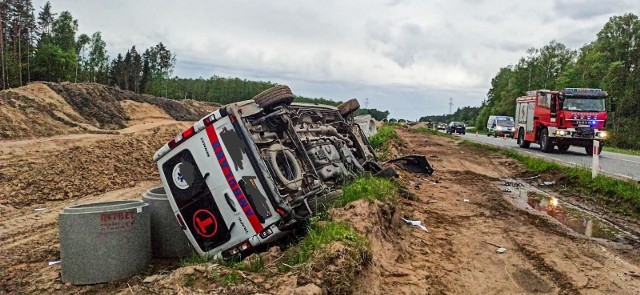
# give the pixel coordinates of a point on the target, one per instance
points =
(563, 147)
(545, 143)
(521, 142)
(589, 150)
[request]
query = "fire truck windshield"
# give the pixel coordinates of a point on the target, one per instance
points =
(581, 104)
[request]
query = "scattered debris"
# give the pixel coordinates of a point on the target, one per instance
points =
(413, 164)
(417, 223)
(466, 200)
(432, 201)
(39, 209)
(501, 250)
(512, 183)
(506, 190)
(54, 262)
(532, 177)
(547, 183)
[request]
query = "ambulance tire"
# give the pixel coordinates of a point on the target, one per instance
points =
(288, 173)
(348, 107)
(521, 142)
(274, 96)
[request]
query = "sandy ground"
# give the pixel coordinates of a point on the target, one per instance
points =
(457, 256)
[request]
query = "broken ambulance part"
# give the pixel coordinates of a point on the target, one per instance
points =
(413, 164)
(103, 242)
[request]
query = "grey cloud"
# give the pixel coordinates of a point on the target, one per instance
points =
(586, 9)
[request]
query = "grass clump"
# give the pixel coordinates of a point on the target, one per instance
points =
(227, 279)
(194, 259)
(368, 188)
(385, 134)
(321, 234)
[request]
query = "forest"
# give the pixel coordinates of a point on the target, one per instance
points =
(611, 62)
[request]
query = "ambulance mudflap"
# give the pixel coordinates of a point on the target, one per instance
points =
(195, 201)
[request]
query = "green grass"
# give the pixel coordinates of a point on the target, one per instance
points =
(320, 235)
(194, 260)
(622, 196)
(230, 278)
(368, 188)
(621, 151)
(386, 133)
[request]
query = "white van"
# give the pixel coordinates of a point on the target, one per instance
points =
(252, 170)
(500, 126)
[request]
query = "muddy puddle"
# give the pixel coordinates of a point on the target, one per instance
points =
(576, 219)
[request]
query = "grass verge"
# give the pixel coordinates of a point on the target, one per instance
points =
(380, 141)
(621, 151)
(621, 196)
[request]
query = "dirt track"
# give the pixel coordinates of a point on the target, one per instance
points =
(457, 255)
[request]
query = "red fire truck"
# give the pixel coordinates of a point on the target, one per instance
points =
(572, 116)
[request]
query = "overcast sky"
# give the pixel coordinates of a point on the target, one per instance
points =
(406, 56)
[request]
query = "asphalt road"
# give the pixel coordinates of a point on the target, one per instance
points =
(621, 165)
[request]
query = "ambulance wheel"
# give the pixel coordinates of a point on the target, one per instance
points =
(274, 96)
(521, 142)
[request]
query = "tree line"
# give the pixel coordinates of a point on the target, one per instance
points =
(47, 47)
(611, 62)
(464, 114)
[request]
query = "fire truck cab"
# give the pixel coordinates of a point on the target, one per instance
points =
(572, 116)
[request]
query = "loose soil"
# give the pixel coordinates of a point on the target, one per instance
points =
(462, 205)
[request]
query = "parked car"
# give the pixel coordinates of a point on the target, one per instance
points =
(251, 171)
(500, 126)
(457, 127)
(442, 126)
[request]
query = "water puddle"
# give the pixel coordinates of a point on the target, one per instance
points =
(579, 220)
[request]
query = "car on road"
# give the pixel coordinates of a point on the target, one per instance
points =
(442, 126)
(457, 127)
(500, 126)
(251, 171)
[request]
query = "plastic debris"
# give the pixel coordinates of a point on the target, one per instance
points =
(466, 200)
(506, 190)
(39, 209)
(549, 183)
(417, 223)
(54, 262)
(501, 250)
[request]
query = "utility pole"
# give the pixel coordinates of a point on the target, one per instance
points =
(450, 104)
(366, 103)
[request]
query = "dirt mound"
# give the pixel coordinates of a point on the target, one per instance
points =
(37, 110)
(101, 103)
(83, 170)
(43, 109)
(140, 112)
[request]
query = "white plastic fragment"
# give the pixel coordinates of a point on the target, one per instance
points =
(417, 223)
(501, 250)
(54, 262)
